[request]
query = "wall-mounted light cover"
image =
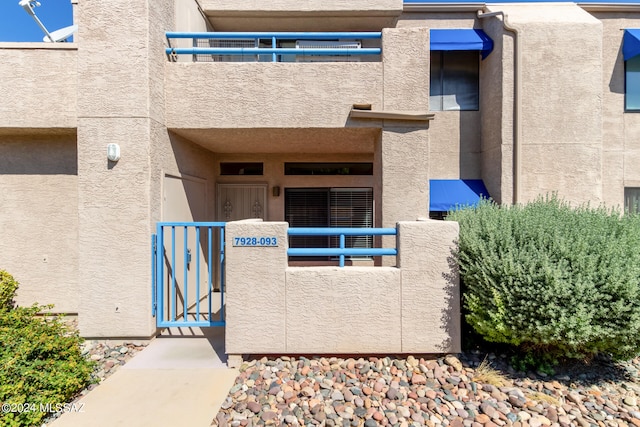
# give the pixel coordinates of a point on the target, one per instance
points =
(113, 152)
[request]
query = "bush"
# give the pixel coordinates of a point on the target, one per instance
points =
(550, 279)
(8, 287)
(40, 363)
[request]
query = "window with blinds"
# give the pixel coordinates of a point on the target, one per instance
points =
(632, 200)
(329, 207)
(454, 81)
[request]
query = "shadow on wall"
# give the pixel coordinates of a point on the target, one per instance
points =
(451, 312)
(616, 83)
(39, 156)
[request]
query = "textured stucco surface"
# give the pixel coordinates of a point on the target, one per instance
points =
(121, 98)
(404, 174)
(215, 7)
(273, 308)
(39, 219)
(343, 310)
(38, 87)
(268, 95)
(256, 298)
(313, 15)
(284, 141)
(454, 145)
(430, 286)
(620, 143)
(406, 68)
(114, 226)
(561, 114)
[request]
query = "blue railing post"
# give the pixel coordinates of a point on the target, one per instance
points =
(342, 241)
(210, 263)
(173, 273)
(185, 268)
(274, 45)
(222, 275)
(160, 272)
(197, 272)
(154, 277)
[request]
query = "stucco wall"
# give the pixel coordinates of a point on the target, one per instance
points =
(121, 97)
(454, 136)
(620, 143)
(561, 138)
(264, 95)
(39, 218)
(38, 85)
(215, 7)
(411, 308)
(496, 106)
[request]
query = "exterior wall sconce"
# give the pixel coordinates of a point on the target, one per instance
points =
(113, 152)
(275, 191)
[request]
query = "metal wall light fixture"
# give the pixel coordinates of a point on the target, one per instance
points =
(113, 152)
(275, 191)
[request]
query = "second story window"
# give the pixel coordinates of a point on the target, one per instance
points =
(632, 84)
(454, 82)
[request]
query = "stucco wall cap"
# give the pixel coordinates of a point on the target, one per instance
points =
(248, 220)
(422, 116)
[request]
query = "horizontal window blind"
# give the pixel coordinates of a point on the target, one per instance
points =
(329, 207)
(352, 208)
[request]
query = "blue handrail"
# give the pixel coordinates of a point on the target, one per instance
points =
(272, 50)
(278, 35)
(269, 50)
(342, 251)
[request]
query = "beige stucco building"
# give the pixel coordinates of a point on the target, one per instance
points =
(528, 98)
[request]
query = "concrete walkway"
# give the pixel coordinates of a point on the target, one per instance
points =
(174, 381)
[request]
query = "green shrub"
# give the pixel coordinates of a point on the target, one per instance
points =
(8, 287)
(40, 364)
(551, 279)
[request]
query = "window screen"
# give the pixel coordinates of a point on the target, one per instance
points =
(329, 207)
(454, 80)
(632, 84)
(632, 200)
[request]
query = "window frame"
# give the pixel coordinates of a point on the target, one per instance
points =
(437, 102)
(635, 62)
(628, 197)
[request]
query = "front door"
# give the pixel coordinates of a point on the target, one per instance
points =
(241, 201)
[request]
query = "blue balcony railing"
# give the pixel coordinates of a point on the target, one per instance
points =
(275, 47)
(342, 251)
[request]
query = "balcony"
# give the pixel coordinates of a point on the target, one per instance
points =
(270, 80)
(41, 79)
(309, 15)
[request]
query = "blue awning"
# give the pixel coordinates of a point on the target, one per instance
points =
(449, 194)
(461, 39)
(631, 43)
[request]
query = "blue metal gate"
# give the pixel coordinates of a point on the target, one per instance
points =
(188, 274)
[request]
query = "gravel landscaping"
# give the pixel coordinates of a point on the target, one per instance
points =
(446, 391)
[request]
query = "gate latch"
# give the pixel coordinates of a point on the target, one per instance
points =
(188, 257)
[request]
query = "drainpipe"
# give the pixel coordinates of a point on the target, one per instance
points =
(517, 107)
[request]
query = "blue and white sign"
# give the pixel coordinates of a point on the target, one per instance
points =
(255, 241)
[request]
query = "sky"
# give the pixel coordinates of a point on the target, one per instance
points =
(16, 25)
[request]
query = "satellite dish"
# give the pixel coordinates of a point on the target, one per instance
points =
(60, 35)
